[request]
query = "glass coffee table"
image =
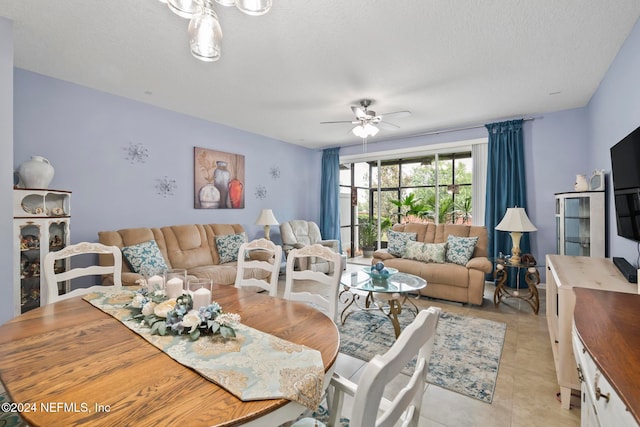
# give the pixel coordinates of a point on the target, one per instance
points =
(387, 295)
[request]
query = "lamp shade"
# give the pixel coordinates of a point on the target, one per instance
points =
(516, 219)
(266, 218)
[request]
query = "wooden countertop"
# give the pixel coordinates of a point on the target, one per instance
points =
(608, 324)
(588, 272)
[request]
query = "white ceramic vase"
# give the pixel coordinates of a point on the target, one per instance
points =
(581, 183)
(36, 173)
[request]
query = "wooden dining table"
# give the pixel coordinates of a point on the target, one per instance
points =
(69, 363)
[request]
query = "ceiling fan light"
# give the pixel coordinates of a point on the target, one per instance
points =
(185, 8)
(205, 36)
(370, 129)
(254, 7)
(359, 131)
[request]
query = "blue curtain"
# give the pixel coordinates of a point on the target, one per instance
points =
(330, 195)
(506, 186)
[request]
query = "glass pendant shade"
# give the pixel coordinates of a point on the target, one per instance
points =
(205, 36)
(365, 130)
(185, 8)
(226, 2)
(254, 7)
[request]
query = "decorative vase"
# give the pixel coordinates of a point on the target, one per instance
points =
(209, 196)
(221, 178)
(36, 173)
(235, 193)
(581, 183)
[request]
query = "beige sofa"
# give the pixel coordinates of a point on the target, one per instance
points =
(192, 247)
(447, 281)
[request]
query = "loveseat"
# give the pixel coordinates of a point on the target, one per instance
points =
(452, 275)
(204, 250)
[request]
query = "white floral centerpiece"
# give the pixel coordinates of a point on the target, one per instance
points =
(177, 316)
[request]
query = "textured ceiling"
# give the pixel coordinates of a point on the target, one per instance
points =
(452, 63)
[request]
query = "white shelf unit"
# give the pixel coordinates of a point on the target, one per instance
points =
(580, 224)
(41, 220)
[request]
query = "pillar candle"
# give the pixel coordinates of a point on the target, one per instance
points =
(201, 298)
(155, 283)
(174, 288)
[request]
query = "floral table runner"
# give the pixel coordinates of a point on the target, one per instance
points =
(253, 366)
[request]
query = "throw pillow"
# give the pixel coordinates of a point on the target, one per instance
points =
(426, 252)
(229, 245)
(460, 249)
(145, 258)
(398, 241)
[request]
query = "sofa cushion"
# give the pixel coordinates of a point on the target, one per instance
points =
(229, 245)
(426, 252)
(145, 258)
(398, 241)
(460, 249)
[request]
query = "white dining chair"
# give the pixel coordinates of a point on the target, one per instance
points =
(326, 296)
(369, 407)
(67, 254)
(259, 265)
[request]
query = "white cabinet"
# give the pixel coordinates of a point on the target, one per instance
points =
(580, 223)
(601, 405)
(563, 274)
(40, 225)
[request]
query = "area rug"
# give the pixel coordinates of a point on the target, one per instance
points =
(7, 417)
(466, 353)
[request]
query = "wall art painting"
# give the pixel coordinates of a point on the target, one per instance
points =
(218, 179)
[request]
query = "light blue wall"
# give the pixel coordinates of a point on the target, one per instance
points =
(85, 133)
(613, 112)
(6, 169)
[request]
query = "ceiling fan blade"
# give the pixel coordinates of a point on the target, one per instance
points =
(397, 114)
(359, 112)
(339, 121)
(388, 126)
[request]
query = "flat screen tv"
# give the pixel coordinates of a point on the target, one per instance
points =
(625, 171)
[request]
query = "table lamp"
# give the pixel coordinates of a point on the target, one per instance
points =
(266, 218)
(516, 222)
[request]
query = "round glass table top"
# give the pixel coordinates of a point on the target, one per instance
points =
(399, 282)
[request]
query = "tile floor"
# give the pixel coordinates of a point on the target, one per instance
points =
(526, 387)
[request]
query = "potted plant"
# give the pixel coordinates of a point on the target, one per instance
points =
(368, 233)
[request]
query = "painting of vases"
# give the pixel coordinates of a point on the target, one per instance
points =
(218, 179)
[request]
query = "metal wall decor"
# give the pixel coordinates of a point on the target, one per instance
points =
(261, 192)
(166, 186)
(137, 153)
(274, 172)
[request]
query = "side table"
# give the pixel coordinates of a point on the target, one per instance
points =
(531, 277)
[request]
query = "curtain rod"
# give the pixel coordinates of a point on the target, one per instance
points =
(436, 132)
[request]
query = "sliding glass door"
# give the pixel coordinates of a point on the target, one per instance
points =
(434, 188)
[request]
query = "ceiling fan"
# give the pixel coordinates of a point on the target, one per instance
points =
(367, 122)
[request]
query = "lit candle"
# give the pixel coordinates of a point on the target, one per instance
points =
(201, 298)
(155, 283)
(174, 288)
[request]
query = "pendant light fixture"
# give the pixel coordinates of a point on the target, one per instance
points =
(185, 8)
(205, 34)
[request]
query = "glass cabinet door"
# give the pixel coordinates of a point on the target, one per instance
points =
(29, 266)
(577, 239)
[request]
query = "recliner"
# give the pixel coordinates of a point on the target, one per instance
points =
(296, 234)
